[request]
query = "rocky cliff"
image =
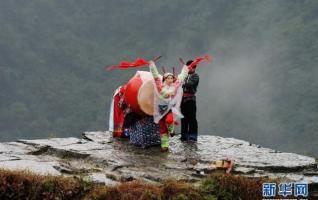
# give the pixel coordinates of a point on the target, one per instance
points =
(100, 158)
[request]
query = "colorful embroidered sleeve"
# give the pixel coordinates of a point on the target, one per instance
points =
(155, 75)
(184, 73)
(164, 93)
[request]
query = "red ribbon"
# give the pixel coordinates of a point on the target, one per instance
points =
(200, 59)
(125, 65)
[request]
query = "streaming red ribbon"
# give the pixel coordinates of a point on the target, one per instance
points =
(200, 59)
(125, 65)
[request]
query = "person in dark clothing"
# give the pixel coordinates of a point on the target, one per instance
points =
(189, 124)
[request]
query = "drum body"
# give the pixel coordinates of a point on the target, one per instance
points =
(139, 93)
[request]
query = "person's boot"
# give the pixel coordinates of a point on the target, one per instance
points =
(171, 130)
(184, 137)
(193, 137)
(164, 143)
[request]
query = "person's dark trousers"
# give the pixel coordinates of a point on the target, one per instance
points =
(189, 124)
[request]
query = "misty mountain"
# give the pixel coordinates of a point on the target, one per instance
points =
(261, 85)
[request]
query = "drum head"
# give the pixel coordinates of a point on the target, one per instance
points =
(146, 97)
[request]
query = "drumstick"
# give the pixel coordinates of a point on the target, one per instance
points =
(156, 58)
(181, 60)
(163, 69)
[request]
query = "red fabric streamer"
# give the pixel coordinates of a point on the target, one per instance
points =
(198, 60)
(124, 64)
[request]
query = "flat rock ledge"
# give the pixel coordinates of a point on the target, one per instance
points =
(100, 158)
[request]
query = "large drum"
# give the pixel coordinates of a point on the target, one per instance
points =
(139, 93)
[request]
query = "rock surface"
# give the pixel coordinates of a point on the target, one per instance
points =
(100, 158)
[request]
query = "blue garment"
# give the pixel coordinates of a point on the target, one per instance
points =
(145, 133)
